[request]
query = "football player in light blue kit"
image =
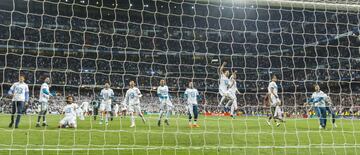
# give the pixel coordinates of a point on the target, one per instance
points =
(165, 103)
(19, 92)
(43, 100)
(192, 94)
(107, 95)
(318, 101)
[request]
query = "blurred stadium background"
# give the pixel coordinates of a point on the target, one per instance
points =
(81, 44)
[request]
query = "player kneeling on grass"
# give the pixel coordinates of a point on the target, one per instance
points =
(132, 101)
(192, 95)
(70, 114)
(275, 103)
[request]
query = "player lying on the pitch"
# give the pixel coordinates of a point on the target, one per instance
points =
(70, 114)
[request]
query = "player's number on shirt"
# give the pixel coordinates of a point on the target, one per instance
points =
(132, 95)
(18, 90)
(68, 110)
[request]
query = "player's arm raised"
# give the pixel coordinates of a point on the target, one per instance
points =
(222, 68)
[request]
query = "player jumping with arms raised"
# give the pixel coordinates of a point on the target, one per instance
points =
(191, 94)
(132, 101)
(232, 95)
(224, 83)
(105, 107)
(165, 103)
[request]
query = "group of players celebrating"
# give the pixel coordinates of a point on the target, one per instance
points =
(19, 91)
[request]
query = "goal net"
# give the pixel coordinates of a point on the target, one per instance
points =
(83, 44)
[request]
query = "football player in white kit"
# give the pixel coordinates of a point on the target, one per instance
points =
(70, 114)
(224, 83)
(19, 92)
(85, 108)
(165, 103)
(116, 110)
(275, 103)
(233, 91)
(105, 107)
(191, 94)
(43, 100)
(132, 101)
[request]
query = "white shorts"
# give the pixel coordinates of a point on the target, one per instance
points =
(43, 106)
(224, 92)
(85, 109)
(278, 112)
(232, 95)
(166, 105)
(274, 100)
(190, 108)
(105, 106)
(134, 108)
(68, 120)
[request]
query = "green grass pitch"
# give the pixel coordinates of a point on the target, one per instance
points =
(217, 135)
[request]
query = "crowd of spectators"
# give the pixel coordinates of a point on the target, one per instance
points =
(182, 43)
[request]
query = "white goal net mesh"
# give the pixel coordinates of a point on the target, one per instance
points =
(83, 44)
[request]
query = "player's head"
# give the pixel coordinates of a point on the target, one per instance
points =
(191, 84)
(274, 78)
(162, 82)
(227, 73)
(317, 87)
(69, 99)
(233, 75)
(47, 80)
(21, 78)
(132, 84)
(107, 85)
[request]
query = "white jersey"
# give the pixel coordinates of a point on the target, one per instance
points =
(106, 94)
(44, 93)
(272, 85)
(132, 96)
(233, 86)
(70, 110)
(192, 95)
(163, 92)
(224, 82)
(85, 106)
(317, 96)
(20, 91)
